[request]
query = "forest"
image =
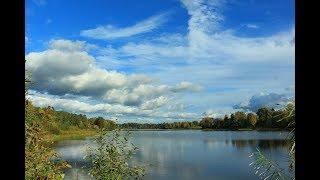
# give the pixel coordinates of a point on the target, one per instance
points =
(264, 118)
(55, 122)
(59, 121)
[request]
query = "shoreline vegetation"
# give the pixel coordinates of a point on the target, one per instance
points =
(84, 134)
(45, 126)
(72, 135)
(265, 119)
(61, 125)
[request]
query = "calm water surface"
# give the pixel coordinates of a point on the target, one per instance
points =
(190, 154)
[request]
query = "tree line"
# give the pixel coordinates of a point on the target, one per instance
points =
(54, 122)
(264, 118)
(57, 121)
(174, 125)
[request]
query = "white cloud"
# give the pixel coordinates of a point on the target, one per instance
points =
(153, 50)
(207, 41)
(66, 68)
(122, 96)
(229, 68)
(252, 26)
(220, 47)
(43, 100)
(272, 100)
(217, 113)
(141, 93)
(111, 32)
(174, 106)
(155, 103)
(54, 63)
(205, 15)
(211, 56)
(68, 45)
(182, 86)
(105, 109)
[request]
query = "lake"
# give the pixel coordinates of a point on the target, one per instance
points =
(191, 154)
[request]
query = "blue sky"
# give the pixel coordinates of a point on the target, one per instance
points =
(156, 60)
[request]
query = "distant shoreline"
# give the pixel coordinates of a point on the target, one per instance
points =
(260, 129)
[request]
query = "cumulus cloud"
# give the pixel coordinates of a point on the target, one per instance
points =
(72, 105)
(208, 54)
(108, 110)
(123, 96)
(112, 32)
(155, 103)
(54, 64)
(136, 96)
(67, 45)
(272, 100)
(67, 68)
(212, 56)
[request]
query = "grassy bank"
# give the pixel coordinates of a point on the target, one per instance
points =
(71, 135)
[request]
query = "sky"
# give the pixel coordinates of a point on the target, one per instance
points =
(160, 60)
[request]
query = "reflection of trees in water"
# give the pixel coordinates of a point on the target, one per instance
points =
(261, 144)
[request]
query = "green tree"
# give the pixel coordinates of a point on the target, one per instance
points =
(206, 122)
(195, 123)
(100, 122)
(252, 119)
(110, 125)
(241, 118)
(264, 117)
(39, 156)
(232, 122)
(39, 162)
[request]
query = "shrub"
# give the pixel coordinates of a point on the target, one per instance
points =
(39, 158)
(110, 159)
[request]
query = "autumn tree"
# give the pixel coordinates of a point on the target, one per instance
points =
(252, 119)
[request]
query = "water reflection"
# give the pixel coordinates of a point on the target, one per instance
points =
(190, 154)
(260, 144)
